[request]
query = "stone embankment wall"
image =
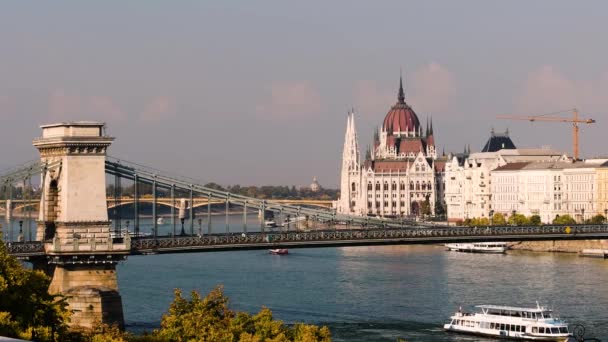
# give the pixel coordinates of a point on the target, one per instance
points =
(559, 246)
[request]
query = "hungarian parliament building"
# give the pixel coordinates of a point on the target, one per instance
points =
(402, 175)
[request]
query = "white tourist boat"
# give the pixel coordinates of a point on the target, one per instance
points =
(270, 224)
(478, 247)
(293, 220)
(535, 324)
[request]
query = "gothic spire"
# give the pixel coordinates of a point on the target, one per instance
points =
(427, 127)
(431, 125)
(401, 96)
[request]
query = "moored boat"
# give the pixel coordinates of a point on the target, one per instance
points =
(534, 324)
(478, 247)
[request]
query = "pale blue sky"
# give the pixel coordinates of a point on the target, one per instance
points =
(257, 92)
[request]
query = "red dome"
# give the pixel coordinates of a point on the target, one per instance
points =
(401, 117)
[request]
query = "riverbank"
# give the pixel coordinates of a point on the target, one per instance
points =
(559, 246)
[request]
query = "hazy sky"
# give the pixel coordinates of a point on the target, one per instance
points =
(256, 92)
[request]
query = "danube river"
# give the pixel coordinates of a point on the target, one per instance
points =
(369, 293)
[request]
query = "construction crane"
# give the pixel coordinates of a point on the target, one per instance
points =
(575, 120)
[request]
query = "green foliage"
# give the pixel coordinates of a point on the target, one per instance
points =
(499, 219)
(425, 206)
(440, 209)
(27, 310)
(477, 222)
(597, 219)
(518, 220)
(564, 219)
(534, 220)
(210, 319)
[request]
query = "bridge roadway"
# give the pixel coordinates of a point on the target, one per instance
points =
(339, 238)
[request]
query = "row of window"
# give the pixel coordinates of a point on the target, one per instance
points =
(511, 327)
(417, 186)
(393, 204)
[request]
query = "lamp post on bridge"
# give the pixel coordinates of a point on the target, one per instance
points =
(20, 238)
(182, 214)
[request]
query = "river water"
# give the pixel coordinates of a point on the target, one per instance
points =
(369, 293)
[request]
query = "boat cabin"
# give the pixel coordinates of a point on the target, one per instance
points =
(537, 314)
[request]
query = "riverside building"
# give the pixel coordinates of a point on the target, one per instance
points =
(551, 189)
(469, 189)
(401, 175)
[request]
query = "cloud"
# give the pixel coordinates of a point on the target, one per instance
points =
(158, 109)
(291, 99)
(429, 90)
(371, 99)
(547, 89)
(65, 106)
(433, 88)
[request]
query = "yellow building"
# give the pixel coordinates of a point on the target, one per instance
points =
(602, 189)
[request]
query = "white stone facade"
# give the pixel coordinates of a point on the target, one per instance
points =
(470, 190)
(547, 189)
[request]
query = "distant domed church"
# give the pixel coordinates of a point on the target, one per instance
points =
(401, 175)
(315, 187)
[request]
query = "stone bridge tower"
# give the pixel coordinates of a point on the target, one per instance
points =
(73, 222)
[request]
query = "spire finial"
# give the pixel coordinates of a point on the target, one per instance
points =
(401, 96)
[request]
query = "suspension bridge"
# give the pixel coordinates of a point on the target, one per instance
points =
(76, 243)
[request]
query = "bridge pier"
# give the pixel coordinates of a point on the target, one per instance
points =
(92, 292)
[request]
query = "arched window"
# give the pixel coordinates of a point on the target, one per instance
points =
(402, 186)
(378, 186)
(417, 185)
(423, 186)
(422, 168)
(369, 186)
(429, 186)
(394, 186)
(417, 167)
(411, 185)
(386, 186)
(353, 186)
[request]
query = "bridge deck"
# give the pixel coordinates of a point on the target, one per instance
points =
(341, 237)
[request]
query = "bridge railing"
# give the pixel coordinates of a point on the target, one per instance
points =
(418, 235)
(406, 234)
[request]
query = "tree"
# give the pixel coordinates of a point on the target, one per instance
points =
(439, 209)
(210, 319)
(597, 219)
(535, 220)
(27, 310)
(499, 219)
(564, 219)
(425, 206)
(518, 220)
